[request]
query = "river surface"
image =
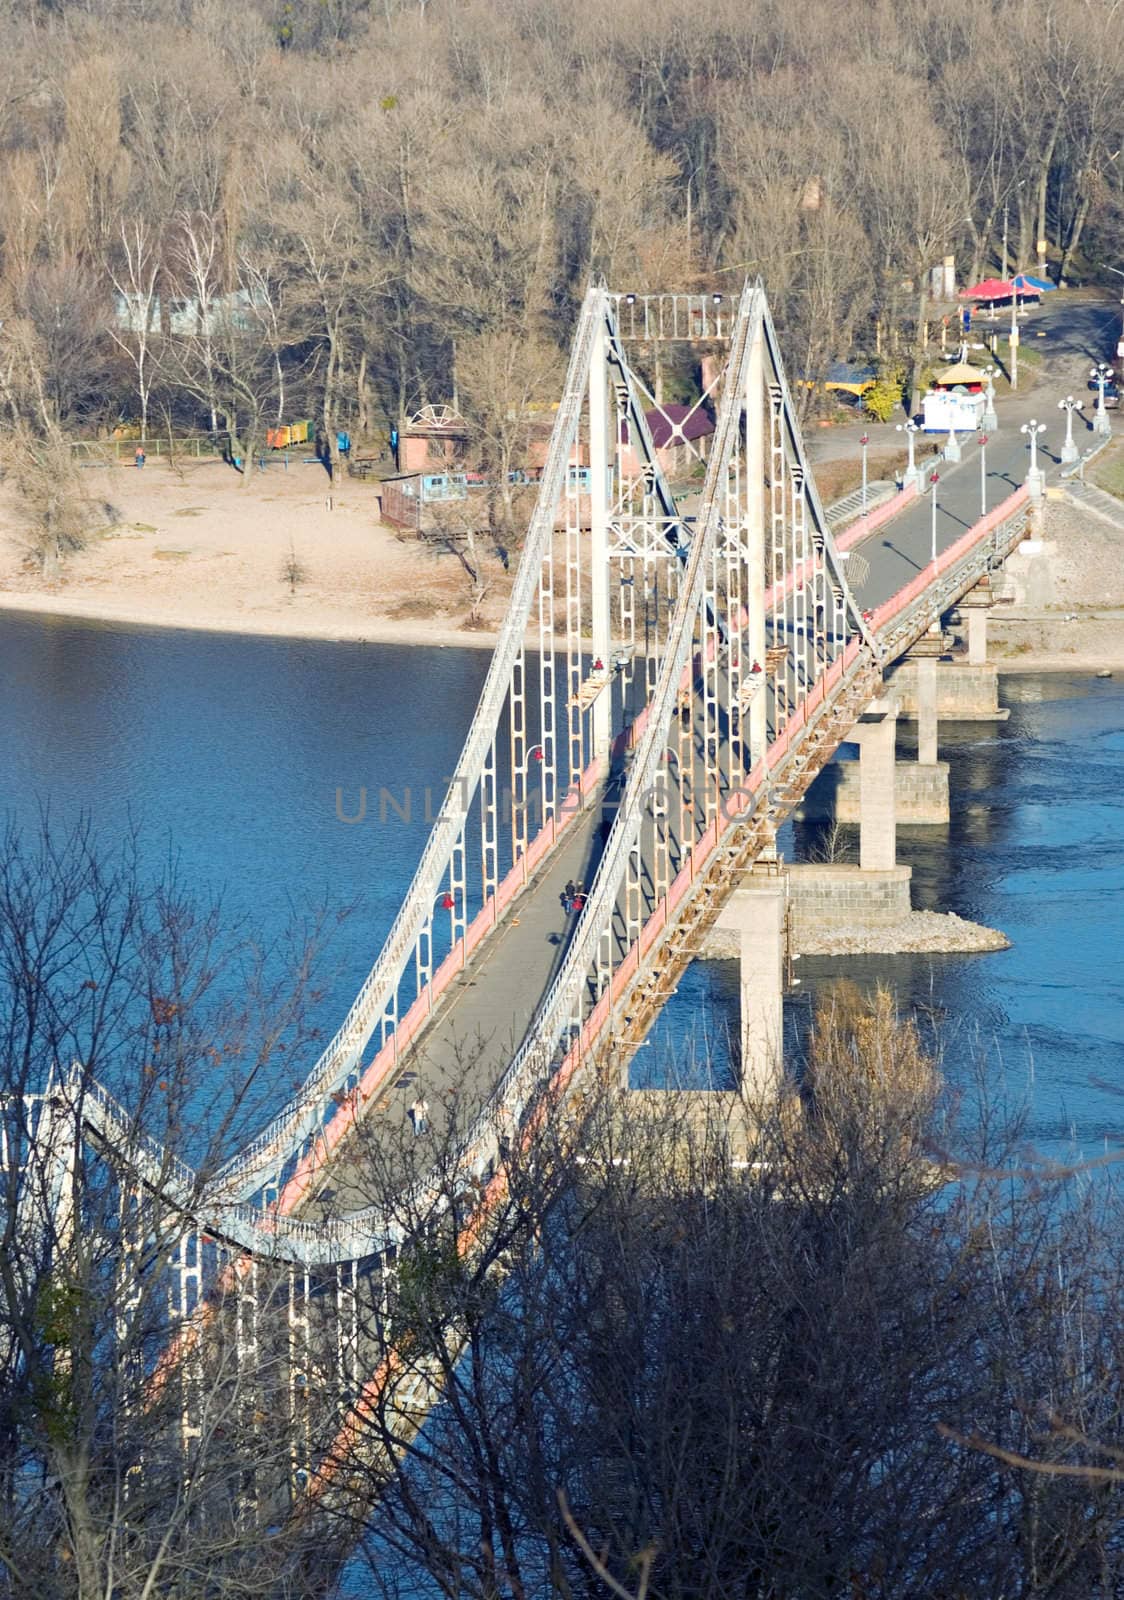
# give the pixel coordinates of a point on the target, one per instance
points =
(228, 753)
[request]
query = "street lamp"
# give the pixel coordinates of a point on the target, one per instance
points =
(1034, 479)
(1013, 338)
(983, 474)
(864, 441)
(911, 474)
(989, 419)
(1069, 405)
(934, 479)
(1100, 375)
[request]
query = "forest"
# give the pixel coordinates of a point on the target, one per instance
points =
(216, 219)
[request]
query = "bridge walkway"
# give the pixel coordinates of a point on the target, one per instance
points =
(895, 553)
(483, 1016)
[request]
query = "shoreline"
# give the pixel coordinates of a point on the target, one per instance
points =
(376, 630)
(417, 632)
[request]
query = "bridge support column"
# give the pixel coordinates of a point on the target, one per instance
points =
(976, 605)
(927, 709)
(875, 736)
(757, 911)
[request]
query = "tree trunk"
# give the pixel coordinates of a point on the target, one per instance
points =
(1070, 250)
(328, 412)
(1043, 181)
(918, 354)
(362, 399)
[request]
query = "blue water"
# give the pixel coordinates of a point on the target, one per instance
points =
(228, 752)
(1035, 847)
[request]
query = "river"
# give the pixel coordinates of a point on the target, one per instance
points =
(228, 752)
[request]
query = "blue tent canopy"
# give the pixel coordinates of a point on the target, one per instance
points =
(1023, 280)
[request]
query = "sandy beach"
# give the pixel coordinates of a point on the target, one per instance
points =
(197, 549)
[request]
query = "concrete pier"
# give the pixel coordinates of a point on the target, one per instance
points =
(975, 606)
(756, 912)
(875, 736)
(920, 794)
(824, 899)
(927, 705)
(965, 692)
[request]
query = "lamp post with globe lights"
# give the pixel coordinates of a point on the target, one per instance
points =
(934, 479)
(912, 473)
(989, 420)
(1069, 405)
(1034, 479)
(1100, 375)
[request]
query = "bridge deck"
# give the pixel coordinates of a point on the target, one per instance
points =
(483, 1016)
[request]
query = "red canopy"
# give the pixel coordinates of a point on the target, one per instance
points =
(989, 289)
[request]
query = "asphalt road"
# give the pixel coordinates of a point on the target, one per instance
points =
(1070, 338)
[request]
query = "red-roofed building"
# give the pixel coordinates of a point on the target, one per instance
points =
(679, 434)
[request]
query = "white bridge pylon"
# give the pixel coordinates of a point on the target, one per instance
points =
(638, 640)
(668, 655)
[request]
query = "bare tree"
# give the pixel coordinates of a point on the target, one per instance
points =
(55, 512)
(135, 278)
(129, 1468)
(737, 1374)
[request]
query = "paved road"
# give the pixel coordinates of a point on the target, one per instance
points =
(1073, 337)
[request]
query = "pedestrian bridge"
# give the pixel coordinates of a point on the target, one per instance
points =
(670, 677)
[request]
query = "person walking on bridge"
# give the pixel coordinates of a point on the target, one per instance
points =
(419, 1112)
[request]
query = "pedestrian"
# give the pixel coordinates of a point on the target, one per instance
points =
(419, 1111)
(579, 898)
(139, 457)
(568, 894)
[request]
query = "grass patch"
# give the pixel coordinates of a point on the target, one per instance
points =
(413, 608)
(190, 511)
(170, 555)
(834, 479)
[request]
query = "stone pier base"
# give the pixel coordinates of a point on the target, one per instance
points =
(965, 693)
(836, 910)
(920, 794)
(822, 899)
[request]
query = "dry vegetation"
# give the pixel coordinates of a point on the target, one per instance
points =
(220, 220)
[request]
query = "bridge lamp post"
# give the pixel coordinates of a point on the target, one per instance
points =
(1069, 405)
(911, 474)
(864, 441)
(983, 474)
(1034, 478)
(1100, 375)
(934, 479)
(989, 418)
